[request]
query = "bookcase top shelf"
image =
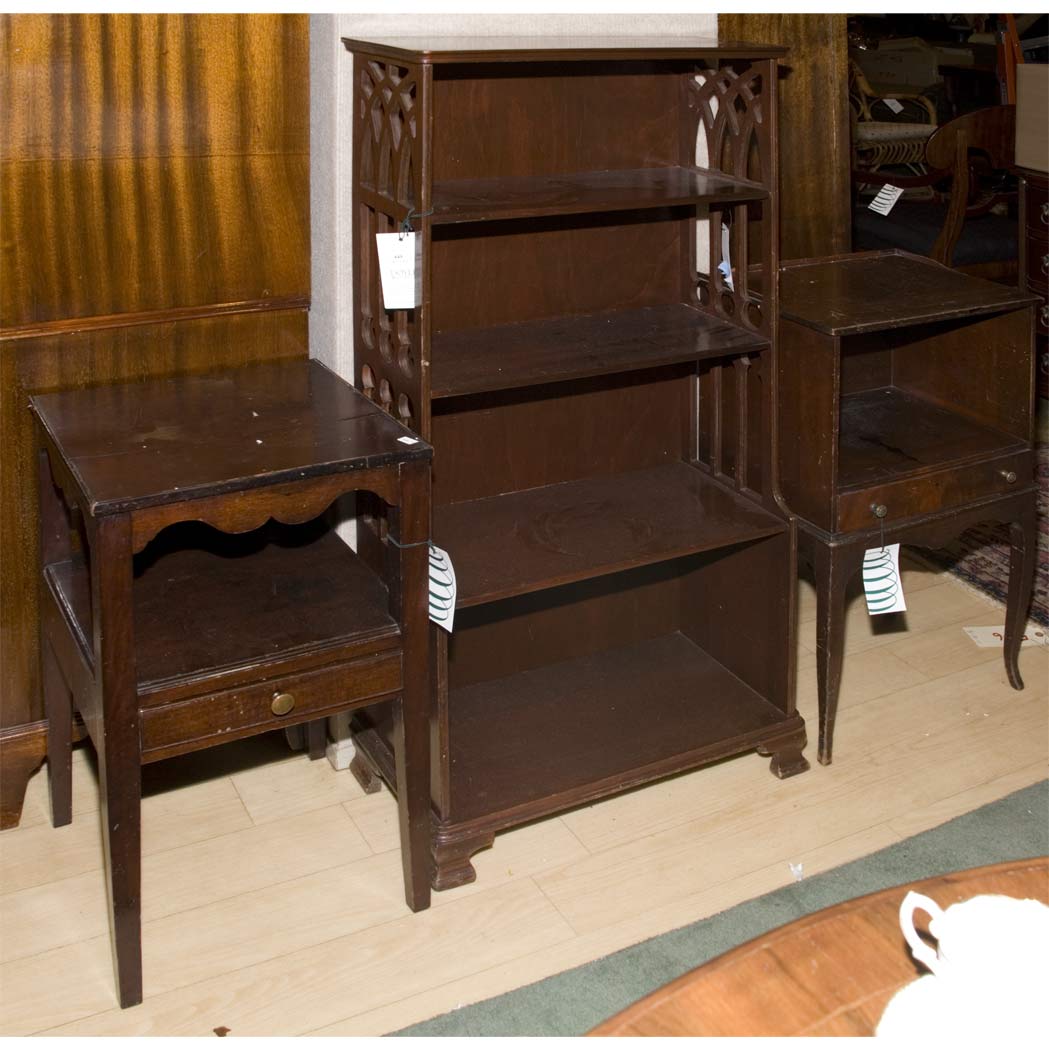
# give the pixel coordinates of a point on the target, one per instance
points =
(535, 196)
(430, 50)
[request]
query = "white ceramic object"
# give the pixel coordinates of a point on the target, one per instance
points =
(990, 970)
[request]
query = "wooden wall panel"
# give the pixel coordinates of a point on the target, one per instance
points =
(814, 143)
(154, 218)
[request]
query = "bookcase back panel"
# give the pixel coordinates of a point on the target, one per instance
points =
(491, 121)
(531, 269)
(505, 637)
(505, 442)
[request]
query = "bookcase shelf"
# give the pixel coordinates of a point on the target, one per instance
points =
(519, 542)
(536, 196)
(592, 359)
(557, 349)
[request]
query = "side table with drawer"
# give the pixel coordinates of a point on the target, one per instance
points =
(193, 591)
(906, 416)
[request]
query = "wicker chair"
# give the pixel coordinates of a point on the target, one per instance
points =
(878, 143)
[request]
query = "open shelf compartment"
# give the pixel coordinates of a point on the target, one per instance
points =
(291, 589)
(888, 433)
(568, 723)
(524, 541)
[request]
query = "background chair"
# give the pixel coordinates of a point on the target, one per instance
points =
(967, 163)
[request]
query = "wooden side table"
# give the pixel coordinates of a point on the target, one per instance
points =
(906, 413)
(192, 593)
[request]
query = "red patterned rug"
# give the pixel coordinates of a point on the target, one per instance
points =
(980, 556)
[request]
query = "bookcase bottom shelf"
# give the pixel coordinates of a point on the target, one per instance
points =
(546, 739)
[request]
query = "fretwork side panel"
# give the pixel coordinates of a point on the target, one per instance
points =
(391, 347)
(732, 114)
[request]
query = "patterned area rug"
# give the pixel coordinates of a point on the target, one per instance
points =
(980, 556)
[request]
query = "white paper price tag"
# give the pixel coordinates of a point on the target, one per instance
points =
(895, 106)
(882, 583)
(886, 198)
(400, 269)
(442, 588)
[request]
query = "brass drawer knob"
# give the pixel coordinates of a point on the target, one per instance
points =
(283, 703)
(879, 509)
(1009, 475)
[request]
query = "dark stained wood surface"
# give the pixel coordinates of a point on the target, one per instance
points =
(815, 143)
(829, 973)
(887, 433)
(582, 709)
(588, 192)
(513, 355)
(206, 638)
(539, 268)
(568, 464)
(512, 544)
(142, 444)
(472, 49)
(906, 404)
(154, 187)
(206, 602)
(874, 291)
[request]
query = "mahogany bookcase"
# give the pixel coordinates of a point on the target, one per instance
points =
(600, 401)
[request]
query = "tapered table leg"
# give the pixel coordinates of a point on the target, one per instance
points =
(118, 747)
(834, 566)
(1023, 540)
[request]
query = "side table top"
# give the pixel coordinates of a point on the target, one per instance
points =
(138, 444)
(877, 290)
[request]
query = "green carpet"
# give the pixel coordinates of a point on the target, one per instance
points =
(573, 1002)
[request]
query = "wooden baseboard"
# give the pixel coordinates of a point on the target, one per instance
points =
(22, 751)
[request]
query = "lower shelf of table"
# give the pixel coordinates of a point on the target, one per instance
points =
(889, 433)
(546, 739)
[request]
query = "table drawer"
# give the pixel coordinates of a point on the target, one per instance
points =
(928, 492)
(281, 701)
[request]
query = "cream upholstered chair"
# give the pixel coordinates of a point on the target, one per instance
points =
(878, 142)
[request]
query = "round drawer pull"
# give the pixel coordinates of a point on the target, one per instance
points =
(1009, 475)
(879, 509)
(1045, 214)
(283, 703)
(1045, 263)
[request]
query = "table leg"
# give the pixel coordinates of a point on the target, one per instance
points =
(58, 706)
(118, 747)
(409, 524)
(55, 546)
(316, 738)
(833, 567)
(1023, 540)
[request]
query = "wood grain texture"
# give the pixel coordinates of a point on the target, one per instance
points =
(814, 142)
(154, 173)
(829, 973)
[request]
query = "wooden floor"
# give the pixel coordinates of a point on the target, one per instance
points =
(272, 899)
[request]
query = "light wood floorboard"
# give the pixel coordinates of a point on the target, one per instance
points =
(272, 900)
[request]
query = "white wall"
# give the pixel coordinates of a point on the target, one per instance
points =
(331, 315)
